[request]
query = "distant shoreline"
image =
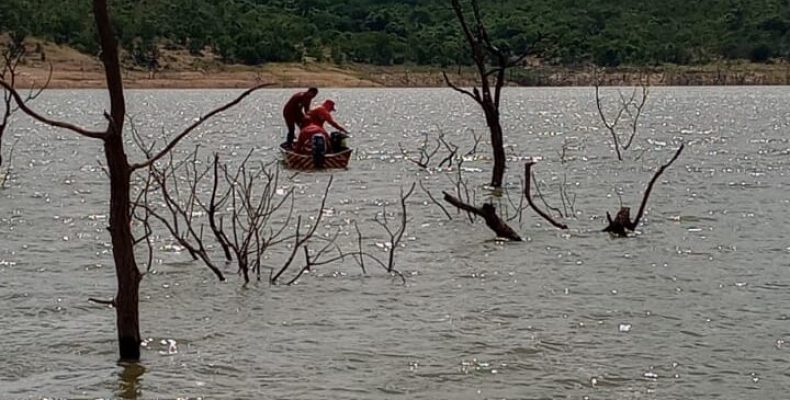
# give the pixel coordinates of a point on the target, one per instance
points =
(179, 70)
(66, 76)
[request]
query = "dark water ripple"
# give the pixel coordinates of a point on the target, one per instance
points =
(692, 306)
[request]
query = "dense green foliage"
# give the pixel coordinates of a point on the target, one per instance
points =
(568, 32)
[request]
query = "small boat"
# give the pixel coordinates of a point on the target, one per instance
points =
(335, 154)
(308, 162)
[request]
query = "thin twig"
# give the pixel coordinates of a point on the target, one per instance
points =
(433, 199)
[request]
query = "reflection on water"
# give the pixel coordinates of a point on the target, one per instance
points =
(692, 306)
(130, 382)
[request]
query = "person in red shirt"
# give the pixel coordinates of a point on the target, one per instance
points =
(295, 112)
(304, 144)
(315, 125)
(322, 114)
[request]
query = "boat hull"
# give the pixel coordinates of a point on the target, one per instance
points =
(305, 162)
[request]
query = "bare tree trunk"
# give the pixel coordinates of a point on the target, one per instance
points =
(127, 296)
(126, 300)
(483, 51)
(497, 142)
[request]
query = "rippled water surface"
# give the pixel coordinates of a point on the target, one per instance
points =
(693, 306)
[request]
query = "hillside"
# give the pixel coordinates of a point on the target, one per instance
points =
(565, 33)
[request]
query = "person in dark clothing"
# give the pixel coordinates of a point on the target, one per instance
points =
(295, 111)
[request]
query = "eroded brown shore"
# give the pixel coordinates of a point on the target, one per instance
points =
(74, 70)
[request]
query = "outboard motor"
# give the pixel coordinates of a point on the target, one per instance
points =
(339, 142)
(319, 150)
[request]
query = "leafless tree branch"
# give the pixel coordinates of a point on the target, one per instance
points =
(527, 178)
(433, 199)
(195, 125)
(622, 221)
(59, 124)
(488, 213)
(631, 107)
(474, 96)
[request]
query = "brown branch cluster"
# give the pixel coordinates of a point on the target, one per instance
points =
(203, 205)
(449, 156)
(630, 108)
(618, 226)
(567, 200)
(449, 152)
(245, 212)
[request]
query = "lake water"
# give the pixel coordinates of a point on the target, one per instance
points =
(693, 306)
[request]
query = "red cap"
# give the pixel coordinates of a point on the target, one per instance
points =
(329, 105)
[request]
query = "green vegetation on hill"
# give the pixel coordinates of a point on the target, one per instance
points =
(425, 32)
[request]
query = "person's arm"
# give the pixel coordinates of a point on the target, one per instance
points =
(331, 121)
(306, 105)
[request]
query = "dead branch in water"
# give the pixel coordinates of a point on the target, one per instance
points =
(211, 211)
(249, 215)
(518, 208)
(300, 240)
(110, 302)
(452, 150)
(622, 221)
(433, 199)
(488, 213)
(425, 155)
(528, 178)
(5, 175)
(180, 207)
(631, 107)
(395, 236)
(451, 156)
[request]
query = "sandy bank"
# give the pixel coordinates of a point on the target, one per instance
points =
(71, 69)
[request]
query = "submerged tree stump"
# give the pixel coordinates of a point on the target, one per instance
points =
(622, 221)
(488, 213)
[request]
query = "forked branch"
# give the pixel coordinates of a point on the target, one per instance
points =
(630, 107)
(528, 179)
(396, 236)
(622, 221)
(301, 239)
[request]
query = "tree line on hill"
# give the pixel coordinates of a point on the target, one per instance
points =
(422, 32)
